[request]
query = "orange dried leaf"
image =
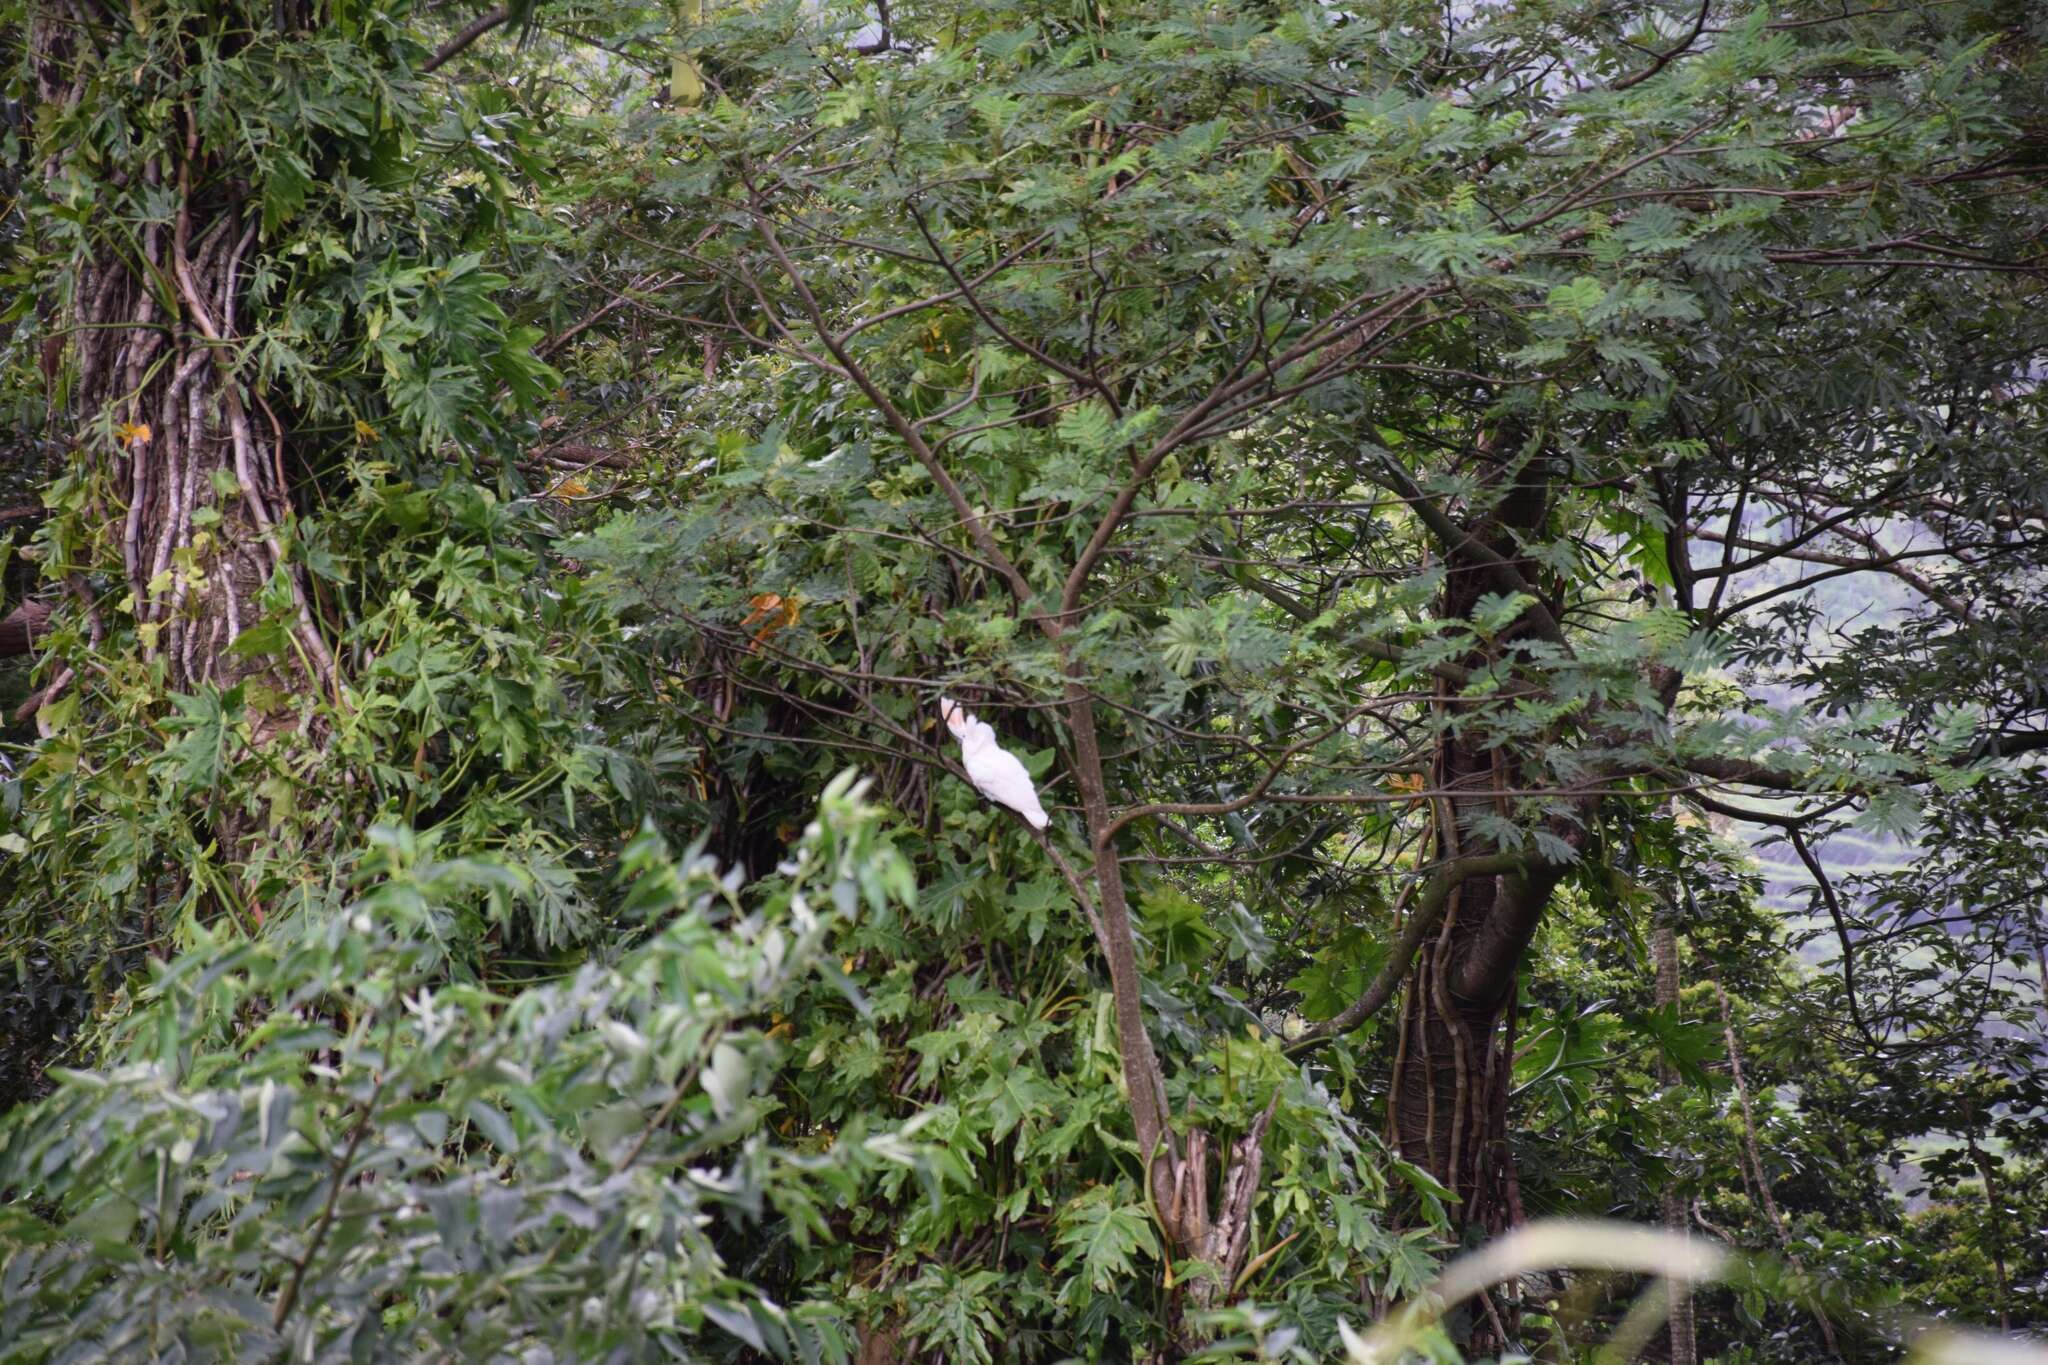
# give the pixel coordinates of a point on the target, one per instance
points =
(771, 612)
(133, 434)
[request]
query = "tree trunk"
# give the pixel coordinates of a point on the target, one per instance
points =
(1447, 1111)
(1454, 1058)
(1452, 1077)
(20, 629)
(1994, 1210)
(1685, 1348)
(186, 460)
(1177, 1169)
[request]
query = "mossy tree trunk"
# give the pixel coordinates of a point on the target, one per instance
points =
(146, 358)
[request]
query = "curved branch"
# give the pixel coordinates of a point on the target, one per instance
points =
(1428, 907)
(1488, 970)
(965, 290)
(1827, 895)
(475, 29)
(1744, 772)
(1665, 58)
(2006, 744)
(1989, 744)
(1764, 817)
(1500, 570)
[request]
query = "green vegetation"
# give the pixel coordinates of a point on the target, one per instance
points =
(496, 499)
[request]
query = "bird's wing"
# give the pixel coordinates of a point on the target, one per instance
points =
(1000, 776)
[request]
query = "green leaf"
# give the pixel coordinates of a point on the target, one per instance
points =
(271, 637)
(1087, 426)
(1013, 1095)
(727, 1080)
(841, 106)
(206, 727)
(1581, 296)
(1101, 1239)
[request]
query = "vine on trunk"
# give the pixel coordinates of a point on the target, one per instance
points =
(196, 456)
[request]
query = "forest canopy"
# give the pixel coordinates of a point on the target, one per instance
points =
(549, 556)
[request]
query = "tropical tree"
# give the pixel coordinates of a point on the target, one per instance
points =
(1294, 406)
(278, 392)
(1390, 473)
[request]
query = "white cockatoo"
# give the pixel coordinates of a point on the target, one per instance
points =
(995, 772)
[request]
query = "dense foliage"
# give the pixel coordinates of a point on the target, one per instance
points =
(292, 1136)
(1429, 492)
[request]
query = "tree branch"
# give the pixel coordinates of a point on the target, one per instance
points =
(1743, 772)
(1489, 966)
(1664, 59)
(475, 29)
(903, 427)
(1827, 895)
(1451, 673)
(289, 1295)
(1421, 923)
(19, 629)
(1500, 571)
(2007, 744)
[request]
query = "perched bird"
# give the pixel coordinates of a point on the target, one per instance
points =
(995, 772)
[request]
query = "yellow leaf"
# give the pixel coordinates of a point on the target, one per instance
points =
(569, 489)
(133, 434)
(1406, 782)
(364, 431)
